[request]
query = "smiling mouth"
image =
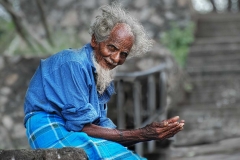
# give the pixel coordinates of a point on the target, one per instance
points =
(110, 62)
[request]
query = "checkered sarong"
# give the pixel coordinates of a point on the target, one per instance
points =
(47, 131)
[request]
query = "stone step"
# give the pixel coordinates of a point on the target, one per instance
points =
(227, 149)
(211, 109)
(206, 52)
(213, 78)
(218, 17)
(218, 33)
(217, 40)
(220, 90)
(215, 47)
(207, 125)
(214, 69)
(218, 87)
(216, 83)
(218, 23)
(223, 59)
(202, 112)
(218, 26)
(220, 97)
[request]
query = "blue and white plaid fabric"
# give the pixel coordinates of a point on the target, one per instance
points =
(47, 131)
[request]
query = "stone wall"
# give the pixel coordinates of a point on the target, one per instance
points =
(44, 154)
(15, 72)
(155, 15)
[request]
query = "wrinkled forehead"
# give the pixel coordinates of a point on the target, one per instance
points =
(122, 30)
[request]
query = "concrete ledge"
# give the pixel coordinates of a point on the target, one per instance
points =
(67, 153)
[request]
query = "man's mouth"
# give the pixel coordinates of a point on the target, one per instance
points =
(109, 61)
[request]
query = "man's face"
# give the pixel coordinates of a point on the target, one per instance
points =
(115, 49)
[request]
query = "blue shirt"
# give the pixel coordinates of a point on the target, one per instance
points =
(64, 84)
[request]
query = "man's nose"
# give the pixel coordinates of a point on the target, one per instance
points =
(115, 57)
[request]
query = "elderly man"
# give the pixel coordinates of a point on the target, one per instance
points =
(66, 102)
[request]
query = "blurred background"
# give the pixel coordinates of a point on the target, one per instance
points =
(197, 41)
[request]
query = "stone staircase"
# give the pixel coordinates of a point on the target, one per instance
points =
(212, 108)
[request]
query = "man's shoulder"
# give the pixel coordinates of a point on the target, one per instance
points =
(69, 55)
(77, 57)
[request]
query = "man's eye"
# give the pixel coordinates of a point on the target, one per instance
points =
(111, 48)
(124, 55)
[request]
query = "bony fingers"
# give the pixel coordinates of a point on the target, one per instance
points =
(164, 135)
(177, 128)
(168, 127)
(171, 132)
(173, 119)
(181, 124)
(182, 121)
(171, 125)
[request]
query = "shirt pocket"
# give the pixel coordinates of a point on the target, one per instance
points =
(103, 108)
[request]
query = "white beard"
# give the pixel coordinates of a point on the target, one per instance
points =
(104, 76)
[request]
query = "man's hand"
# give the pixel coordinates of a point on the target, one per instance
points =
(162, 130)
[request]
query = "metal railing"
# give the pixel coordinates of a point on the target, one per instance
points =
(153, 81)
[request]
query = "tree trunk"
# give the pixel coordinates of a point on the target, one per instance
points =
(17, 22)
(21, 27)
(44, 22)
(238, 5)
(229, 5)
(214, 6)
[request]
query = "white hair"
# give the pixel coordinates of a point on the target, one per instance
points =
(113, 14)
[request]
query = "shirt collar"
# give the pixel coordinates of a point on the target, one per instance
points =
(90, 55)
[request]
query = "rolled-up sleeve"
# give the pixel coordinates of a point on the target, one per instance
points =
(69, 89)
(77, 117)
(106, 122)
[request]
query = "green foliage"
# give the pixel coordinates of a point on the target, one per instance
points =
(178, 40)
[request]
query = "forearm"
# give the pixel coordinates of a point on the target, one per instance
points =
(153, 131)
(124, 137)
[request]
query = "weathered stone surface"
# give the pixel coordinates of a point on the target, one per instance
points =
(150, 13)
(211, 109)
(44, 154)
(5, 139)
(226, 149)
(14, 79)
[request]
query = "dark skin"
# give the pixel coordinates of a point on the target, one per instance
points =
(154, 131)
(109, 54)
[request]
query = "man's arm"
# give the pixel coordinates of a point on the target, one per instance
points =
(153, 131)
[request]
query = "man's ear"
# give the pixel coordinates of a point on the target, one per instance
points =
(93, 41)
